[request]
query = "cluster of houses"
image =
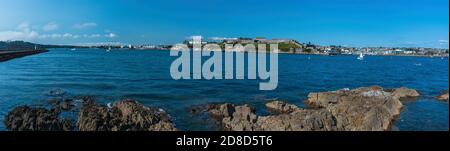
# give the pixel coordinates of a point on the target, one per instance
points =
(309, 48)
(378, 50)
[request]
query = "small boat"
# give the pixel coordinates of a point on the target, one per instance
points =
(73, 49)
(361, 56)
(108, 50)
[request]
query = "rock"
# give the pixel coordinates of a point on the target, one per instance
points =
(126, 115)
(67, 104)
(281, 107)
(242, 119)
(299, 120)
(87, 100)
(234, 118)
(443, 96)
(405, 93)
(53, 102)
(198, 109)
(56, 92)
(361, 109)
(221, 110)
(24, 118)
(93, 117)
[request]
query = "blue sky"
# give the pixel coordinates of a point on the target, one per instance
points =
(409, 23)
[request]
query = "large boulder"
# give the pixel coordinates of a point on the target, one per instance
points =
(281, 107)
(126, 115)
(24, 118)
(221, 110)
(362, 109)
(405, 93)
(243, 119)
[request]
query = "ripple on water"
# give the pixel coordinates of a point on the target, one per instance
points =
(145, 76)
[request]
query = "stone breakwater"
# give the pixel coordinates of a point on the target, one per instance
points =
(8, 55)
(124, 115)
(361, 109)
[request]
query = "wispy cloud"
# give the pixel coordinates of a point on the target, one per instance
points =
(22, 32)
(50, 27)
(76, 36)
(443, 42)
(111, 35)
(85, 25)
(25, 32)
(101, 44)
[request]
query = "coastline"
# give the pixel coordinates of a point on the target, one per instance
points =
(370, 108)
(290, 53)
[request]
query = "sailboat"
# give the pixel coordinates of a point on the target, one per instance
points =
(109, 49)
(361, 56)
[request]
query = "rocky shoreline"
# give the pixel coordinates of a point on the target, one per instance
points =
(124, 115)
(362, 109)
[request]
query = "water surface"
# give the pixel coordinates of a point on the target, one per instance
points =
(144, 76)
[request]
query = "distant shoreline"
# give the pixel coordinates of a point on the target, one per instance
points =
(281, 52)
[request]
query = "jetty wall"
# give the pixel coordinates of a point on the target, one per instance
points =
(8, 55)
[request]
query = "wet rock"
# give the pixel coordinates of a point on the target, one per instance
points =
(53, 102)
(405, 93)
(126, 115)
(24, 118)
(221, 110)
(233, 118)
(443, 96)
(198, 109)
(56, 92)
(67, 105)
(87, 100)
(242, 119)
(281, 107)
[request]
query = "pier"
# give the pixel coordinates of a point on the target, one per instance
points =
(8, 55)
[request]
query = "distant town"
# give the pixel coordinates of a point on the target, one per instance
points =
(284, 45)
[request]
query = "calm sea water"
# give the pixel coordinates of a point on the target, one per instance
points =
(144, 76)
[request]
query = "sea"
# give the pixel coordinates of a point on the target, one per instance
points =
(144, 75)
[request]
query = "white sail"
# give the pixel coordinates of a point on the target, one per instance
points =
(361, 56)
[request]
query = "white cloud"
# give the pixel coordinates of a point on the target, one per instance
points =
(22, 32)
(111, 35)
(101, 44)
(25, 32)
(92, 36)
(85, 25)
(75, 36)
(50, 27)
(443, 42)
